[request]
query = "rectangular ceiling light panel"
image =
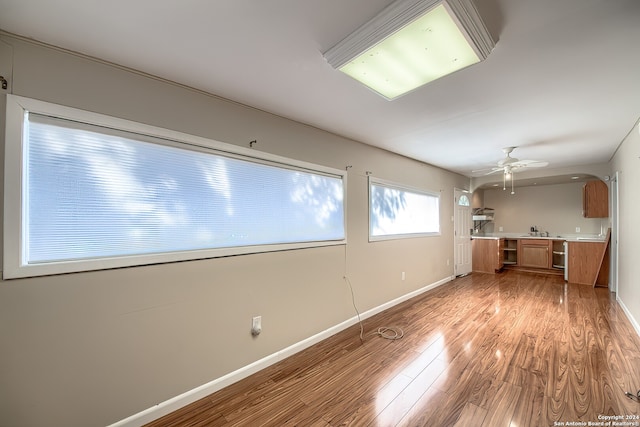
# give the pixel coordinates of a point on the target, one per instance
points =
(412, 43)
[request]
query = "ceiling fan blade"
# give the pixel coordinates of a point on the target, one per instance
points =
(485, 169)
(488, 171)
(511, 164)
(529, 164)
(495, 170)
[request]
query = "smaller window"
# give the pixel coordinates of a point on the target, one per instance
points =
(397, 211)
(463, 201)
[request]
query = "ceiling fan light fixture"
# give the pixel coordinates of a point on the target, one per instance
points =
(411, 43)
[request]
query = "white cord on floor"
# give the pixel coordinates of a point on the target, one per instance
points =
(353, 301)
(389, 333)
(392, 333)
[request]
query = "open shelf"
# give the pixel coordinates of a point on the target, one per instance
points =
(558, 254)
(510, 252)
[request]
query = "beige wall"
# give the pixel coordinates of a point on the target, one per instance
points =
(554, 208)
(90, 349)
(626, 162)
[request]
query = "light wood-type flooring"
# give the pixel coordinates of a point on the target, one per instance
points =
(512, 349)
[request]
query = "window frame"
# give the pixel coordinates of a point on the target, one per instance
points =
(400, 187)
(14, 254)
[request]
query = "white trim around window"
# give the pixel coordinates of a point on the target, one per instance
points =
(84, 191)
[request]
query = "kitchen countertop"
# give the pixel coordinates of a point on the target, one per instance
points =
(567, 237)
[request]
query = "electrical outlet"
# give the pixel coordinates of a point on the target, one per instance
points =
(500, 229)
(577, 229)
(448, 261)
(256, 325)
(403, 276)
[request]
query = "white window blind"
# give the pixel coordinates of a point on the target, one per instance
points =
(396, 211)
(91, 193)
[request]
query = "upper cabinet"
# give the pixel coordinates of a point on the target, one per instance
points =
(595, 200)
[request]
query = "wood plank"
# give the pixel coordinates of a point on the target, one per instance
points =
(471, 415)
(511, 348)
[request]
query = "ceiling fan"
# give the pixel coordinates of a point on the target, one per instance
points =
(509, 165)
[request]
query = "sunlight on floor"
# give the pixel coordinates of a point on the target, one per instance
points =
(405, 387)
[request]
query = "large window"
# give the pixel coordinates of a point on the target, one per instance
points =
(397, 211)
(94, 192)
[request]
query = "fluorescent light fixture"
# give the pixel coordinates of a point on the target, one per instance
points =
(411, 43)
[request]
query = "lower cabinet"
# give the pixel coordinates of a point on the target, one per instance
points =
(535, 253)
(487, 255)
(541, 255)
(588, 263)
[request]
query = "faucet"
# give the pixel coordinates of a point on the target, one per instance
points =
(536, 233)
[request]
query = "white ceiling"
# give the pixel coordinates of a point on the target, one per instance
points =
(562, 84)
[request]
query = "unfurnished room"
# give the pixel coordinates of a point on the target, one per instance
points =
(320, 213)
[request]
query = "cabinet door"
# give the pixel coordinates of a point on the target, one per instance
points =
(500, 254)
(595, 200)
(534, 254)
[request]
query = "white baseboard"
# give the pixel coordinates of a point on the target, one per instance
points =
(175, 403)
(633, 321)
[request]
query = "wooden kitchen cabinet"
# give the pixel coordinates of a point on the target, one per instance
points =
(595, 199)
(534, 253)
(588, 262)
(486, 255)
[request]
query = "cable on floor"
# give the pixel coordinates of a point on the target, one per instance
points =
(631, 396)
(392, 333)
(388, 333)
(353, 301)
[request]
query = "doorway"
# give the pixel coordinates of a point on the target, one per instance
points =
(461, 232)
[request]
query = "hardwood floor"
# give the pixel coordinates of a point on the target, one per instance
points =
(513, 349)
